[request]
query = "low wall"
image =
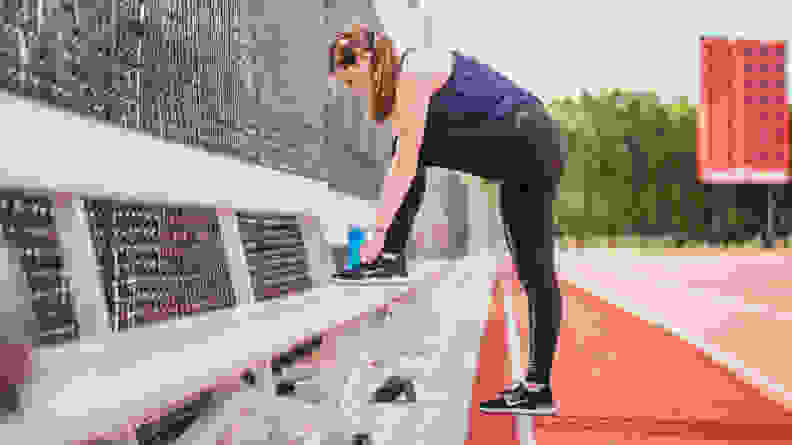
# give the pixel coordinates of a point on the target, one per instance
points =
(75, 387)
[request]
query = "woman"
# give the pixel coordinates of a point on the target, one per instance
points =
(449, 110)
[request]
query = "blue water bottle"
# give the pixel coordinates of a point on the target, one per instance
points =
(355, 240)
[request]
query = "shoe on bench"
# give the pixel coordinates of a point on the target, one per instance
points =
(386, 269)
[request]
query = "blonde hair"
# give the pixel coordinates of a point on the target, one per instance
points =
(384, 69)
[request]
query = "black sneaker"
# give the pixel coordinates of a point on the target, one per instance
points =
(387, 269)
(522, 398)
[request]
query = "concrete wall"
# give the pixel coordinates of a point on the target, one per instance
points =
(484, 224)
(304, 128)
(309, 133)
(441, 225)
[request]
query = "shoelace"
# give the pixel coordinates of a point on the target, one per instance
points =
(381, 261)
(517, 385)
(510, 389)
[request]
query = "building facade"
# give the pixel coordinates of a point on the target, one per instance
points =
(761, 108)
(743, 115)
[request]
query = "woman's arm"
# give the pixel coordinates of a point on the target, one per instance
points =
(412, 102)
(395, 187)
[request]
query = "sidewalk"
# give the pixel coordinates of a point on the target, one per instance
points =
(434, 339)
(255, 414)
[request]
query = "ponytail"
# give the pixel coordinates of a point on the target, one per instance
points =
(384, 67)
(384, 74)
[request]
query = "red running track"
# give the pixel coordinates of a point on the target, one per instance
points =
(619, 379)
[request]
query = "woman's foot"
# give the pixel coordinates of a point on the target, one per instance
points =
(388, 268)
(522, 398)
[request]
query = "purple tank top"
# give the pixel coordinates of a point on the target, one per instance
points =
(473, 101)
(473, 93)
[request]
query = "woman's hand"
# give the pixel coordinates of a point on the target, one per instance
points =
(371, 249)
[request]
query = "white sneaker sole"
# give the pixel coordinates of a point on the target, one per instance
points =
(398, 281)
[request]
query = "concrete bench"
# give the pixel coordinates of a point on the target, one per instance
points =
(104, 380)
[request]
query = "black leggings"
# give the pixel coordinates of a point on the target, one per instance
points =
(528, 223)
(526, 209)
